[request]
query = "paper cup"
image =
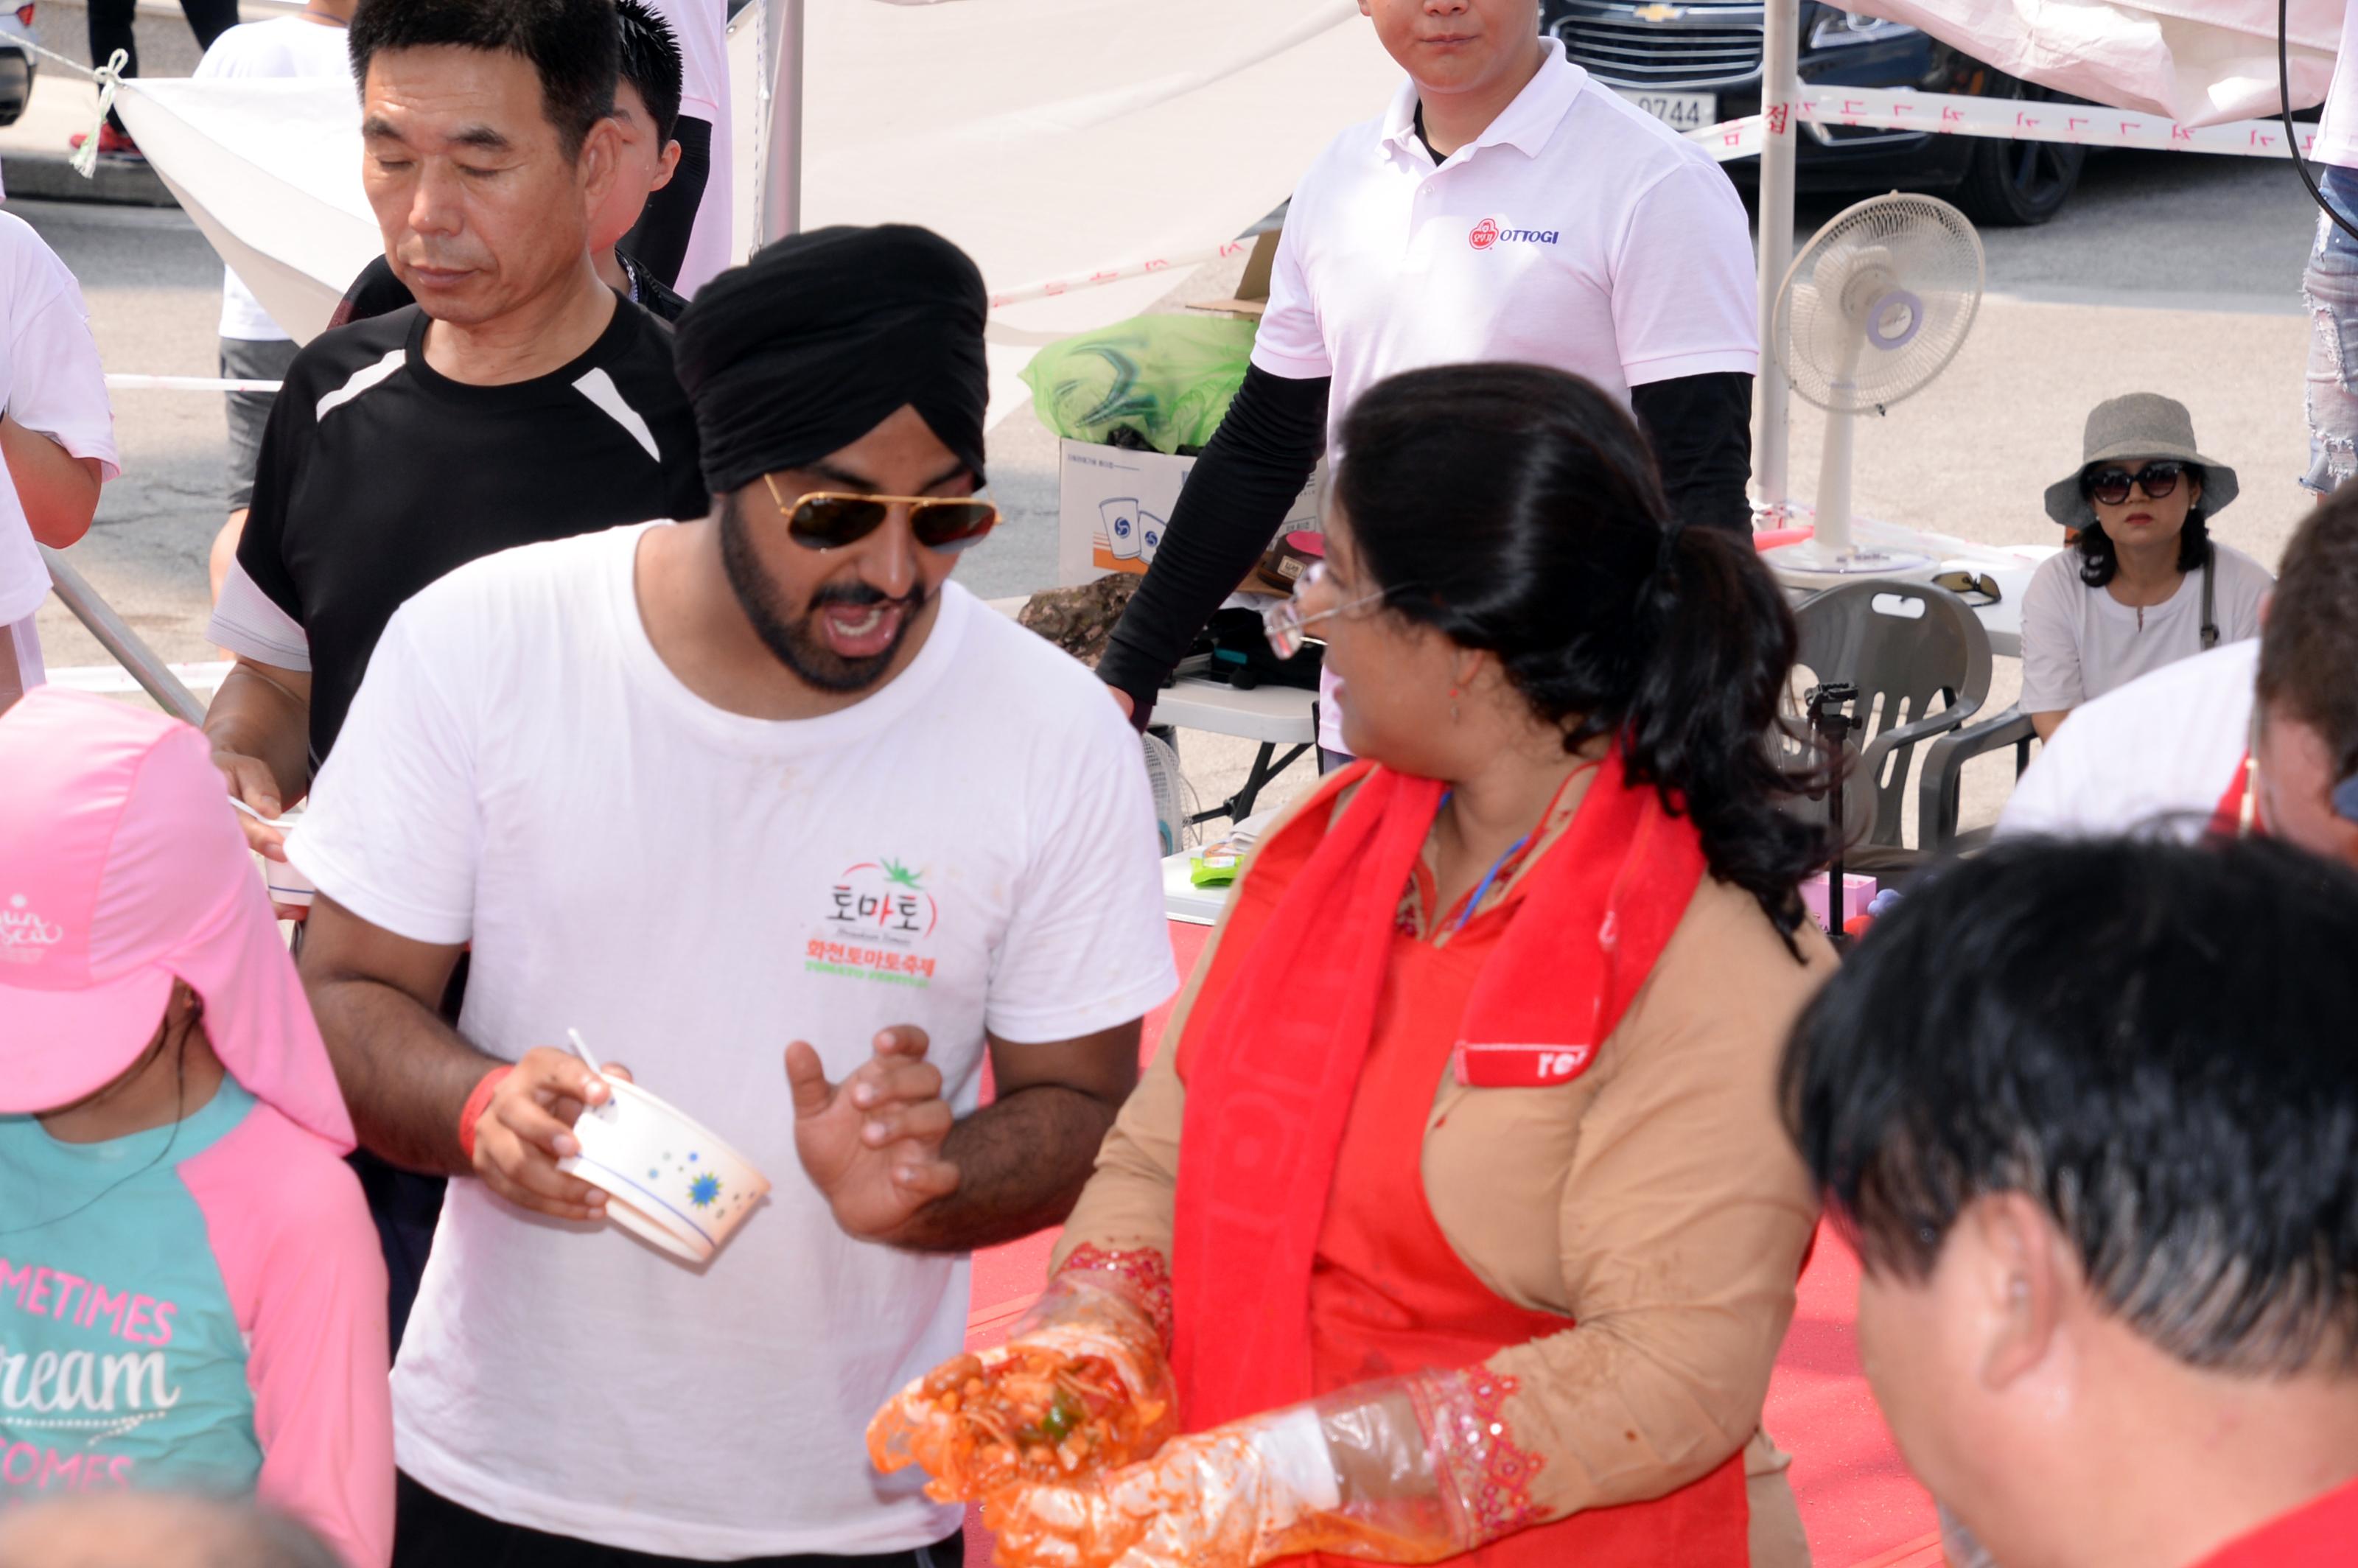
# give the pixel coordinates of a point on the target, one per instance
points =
(286, 885)
(1120, 518)
(666, 1176)
(1150, 537)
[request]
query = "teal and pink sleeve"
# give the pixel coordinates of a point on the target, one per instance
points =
(299, 1257)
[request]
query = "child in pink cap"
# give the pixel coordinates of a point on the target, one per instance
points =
(190, 1290)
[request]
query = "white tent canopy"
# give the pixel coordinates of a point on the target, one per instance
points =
(1051, 138)
(2199, 61)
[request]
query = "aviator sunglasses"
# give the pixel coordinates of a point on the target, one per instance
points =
(828, 519)
(2111, 485)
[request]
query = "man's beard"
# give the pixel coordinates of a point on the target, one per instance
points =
(799, 643)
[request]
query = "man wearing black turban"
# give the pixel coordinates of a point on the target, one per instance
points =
(703, 789)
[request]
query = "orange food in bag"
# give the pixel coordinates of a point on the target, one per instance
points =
(1031, 1413)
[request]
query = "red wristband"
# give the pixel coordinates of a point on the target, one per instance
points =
(472, 1111)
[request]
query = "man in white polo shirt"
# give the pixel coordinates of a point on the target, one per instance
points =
(1504, 207)
(2255, 737)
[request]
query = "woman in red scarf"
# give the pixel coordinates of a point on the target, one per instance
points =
(1461, 1204)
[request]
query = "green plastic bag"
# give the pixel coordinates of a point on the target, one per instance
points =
(1169, 378)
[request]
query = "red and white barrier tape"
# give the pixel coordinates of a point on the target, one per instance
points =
(1049, 288)
(1946, 113)
(1864, 108)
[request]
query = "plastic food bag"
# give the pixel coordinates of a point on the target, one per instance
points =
(1169, 378)
(1080, 1388)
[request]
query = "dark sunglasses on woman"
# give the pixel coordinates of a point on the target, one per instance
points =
(828, 519)
(2111, 485)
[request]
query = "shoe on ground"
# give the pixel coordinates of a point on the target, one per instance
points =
(112, 143)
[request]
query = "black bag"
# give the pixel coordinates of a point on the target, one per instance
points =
(1240, 656)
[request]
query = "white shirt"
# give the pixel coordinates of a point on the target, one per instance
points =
(2079, 643)
(283, 45)
(701, 29)
(2160, 750)
(1577, 232)
(693, 889)
(50, 381)
(2337, 123)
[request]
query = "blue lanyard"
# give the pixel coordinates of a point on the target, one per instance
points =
(1491, 876)
(1476, 901)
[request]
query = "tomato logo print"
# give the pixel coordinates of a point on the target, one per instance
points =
(1485, 234)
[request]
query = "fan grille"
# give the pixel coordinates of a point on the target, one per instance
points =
(1878, 302)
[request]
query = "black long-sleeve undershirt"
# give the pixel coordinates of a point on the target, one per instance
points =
(1240, 489)
(1228, 511)
(1701, 429)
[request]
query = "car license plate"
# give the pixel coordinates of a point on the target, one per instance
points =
(1679, 111)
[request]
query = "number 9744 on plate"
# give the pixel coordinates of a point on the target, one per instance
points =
(1679, 111)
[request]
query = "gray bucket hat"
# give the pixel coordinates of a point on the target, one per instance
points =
(2140, 425)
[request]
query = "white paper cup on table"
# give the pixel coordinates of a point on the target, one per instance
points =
(667, 1178)
(1120, 519)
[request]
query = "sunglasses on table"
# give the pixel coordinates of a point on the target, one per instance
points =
(2111, 485)
(828, 519)
(1977, 588)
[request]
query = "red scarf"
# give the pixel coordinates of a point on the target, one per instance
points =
(1272, 1060)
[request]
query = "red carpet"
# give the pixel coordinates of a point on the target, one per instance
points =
(1861, 1506)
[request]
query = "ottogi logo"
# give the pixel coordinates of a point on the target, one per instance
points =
(1487, 234)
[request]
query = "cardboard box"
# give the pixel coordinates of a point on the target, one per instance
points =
(1252, 289)
(1112, 502)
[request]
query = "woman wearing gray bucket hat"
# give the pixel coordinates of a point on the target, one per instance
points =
(2140, 582)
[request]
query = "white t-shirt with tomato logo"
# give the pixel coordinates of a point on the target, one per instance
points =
(1577, 232)
(972, 846)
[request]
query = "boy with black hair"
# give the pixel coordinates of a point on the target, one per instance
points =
(2110, 1236)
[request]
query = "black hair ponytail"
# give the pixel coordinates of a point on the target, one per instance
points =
(1524, 507)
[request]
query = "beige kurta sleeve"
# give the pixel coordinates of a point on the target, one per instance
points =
(1683, 1222)
(1126, 1205)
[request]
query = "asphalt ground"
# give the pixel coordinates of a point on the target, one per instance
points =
(2173, 272)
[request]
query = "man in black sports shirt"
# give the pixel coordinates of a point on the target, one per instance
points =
(520, 400)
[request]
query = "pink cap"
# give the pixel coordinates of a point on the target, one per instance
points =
(122, 867)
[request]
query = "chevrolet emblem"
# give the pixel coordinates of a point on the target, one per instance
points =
(1658, 13)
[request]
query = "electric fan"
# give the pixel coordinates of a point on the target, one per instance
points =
(1174, 796)
(1874, 307)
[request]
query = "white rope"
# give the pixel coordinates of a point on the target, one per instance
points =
(186, 384)
(108, 77)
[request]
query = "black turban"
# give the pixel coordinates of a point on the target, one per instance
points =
(821, 337)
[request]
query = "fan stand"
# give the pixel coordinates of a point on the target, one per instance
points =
(1890, 316)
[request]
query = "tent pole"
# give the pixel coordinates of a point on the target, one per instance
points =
(1780, 92)
(782, 167)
